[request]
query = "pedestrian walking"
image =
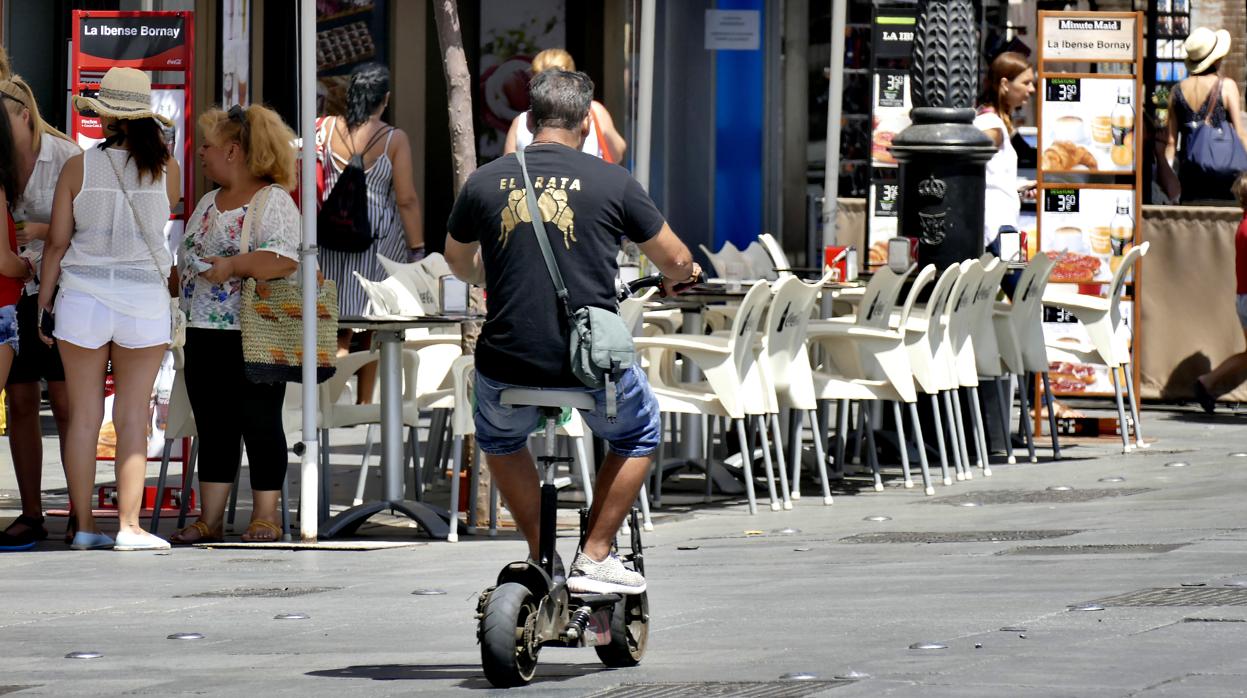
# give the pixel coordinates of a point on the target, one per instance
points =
(1198, 104)
(1233, 371)
(40, 153)
(247, 152)
(602, 140)
(383, 152)
(107, 252)
(1009, 85)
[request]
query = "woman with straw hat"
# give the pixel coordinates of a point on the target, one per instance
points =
(106, 248)
(41, 152)
(1205, 97)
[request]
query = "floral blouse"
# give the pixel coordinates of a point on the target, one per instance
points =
(214, 233)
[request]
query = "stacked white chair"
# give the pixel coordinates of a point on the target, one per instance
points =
(779, 260)
(1110, 336)
(930, 357)
(864, 359)
(986, 349)
(731, 381)
(1019, 333)
(786, 368)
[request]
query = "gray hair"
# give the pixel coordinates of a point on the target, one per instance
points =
(560, 99)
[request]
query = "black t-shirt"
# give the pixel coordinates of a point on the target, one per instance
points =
(587, 205)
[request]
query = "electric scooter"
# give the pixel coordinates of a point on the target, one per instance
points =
(527, 609)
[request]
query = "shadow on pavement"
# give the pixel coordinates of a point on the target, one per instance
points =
(470, 675)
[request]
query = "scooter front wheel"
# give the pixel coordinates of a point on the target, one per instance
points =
(508, 641)
(629, 632)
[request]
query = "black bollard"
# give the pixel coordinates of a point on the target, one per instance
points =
(942, 154)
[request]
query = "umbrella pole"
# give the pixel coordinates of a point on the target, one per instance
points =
(309, 468)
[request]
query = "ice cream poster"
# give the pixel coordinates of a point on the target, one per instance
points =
(511, 34)
(1086, 232)
(1088, 124)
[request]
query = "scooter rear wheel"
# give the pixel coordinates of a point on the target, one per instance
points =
(508, 648)
(629, 633)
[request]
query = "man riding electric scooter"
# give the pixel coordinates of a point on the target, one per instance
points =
(586, 206)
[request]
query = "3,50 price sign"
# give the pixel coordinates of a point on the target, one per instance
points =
(1060, 201)
(891, 88)
(1064, 90)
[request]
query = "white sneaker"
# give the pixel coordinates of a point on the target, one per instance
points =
(140, 541)
(606, 577)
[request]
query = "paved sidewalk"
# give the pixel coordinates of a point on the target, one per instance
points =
(836, 594)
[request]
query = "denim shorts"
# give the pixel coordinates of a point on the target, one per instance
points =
(8, 326)
(501, 430)
(1240, 304)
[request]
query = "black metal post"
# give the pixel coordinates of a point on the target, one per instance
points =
(942, 154)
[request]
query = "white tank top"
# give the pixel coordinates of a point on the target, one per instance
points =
(523, 137)
(108, 257)
(1001, 204)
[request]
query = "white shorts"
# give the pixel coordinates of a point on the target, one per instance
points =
(83, 320)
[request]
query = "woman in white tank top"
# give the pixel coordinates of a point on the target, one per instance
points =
(107, 251)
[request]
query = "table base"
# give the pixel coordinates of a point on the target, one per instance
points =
(432, 519)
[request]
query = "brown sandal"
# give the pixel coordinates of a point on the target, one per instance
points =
(198, 532)
(261, 531)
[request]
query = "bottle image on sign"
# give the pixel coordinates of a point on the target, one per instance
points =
(1122, 121)
(1121, 232)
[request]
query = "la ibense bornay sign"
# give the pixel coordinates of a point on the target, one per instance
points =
(1089, 38)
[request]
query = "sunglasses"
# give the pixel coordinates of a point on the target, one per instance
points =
(238, 114)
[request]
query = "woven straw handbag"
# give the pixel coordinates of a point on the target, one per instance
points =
(272, 320)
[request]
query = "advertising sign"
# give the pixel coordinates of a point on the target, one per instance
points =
(1086, 231)
(1092, 36)
(893, 35)
(1088, 124)
(1089, 174)
(147, 40)
(892, 31)
(511, 34)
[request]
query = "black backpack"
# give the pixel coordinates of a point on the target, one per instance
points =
(342, 223)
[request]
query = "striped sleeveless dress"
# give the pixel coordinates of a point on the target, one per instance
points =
(387, 230)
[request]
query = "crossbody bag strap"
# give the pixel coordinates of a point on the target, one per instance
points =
(250, 217)
(138, 220)
(539, 227)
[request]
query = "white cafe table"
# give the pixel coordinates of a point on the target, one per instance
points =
(389, 331)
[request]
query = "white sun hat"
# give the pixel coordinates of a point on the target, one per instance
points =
(125, 93)
(1204, 47)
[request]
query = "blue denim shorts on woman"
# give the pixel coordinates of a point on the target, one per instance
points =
(501, 430)
(8, 326)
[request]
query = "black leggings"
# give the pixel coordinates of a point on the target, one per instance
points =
(229, 408)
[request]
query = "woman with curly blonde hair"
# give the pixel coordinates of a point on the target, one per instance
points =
(247, 152)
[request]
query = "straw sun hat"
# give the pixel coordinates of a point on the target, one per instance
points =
(125, 93)
(1203, 48)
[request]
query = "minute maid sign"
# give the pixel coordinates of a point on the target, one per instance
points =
(1089, 38)
(145, 41)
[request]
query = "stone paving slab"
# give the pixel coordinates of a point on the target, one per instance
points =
(739, 608)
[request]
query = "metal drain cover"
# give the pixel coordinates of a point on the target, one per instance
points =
(1135, 548)
(723, 689)
(261, 592)
(955, 536)
(1180, 596)
(988, 497)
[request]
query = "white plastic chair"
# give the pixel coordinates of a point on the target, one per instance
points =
(962, 320)
(726, 362)
(786, 368)
(866, 360)
(987, 356)
(1019, 330)
(761, 265)
(1110, 336)
(779, 260)
(925, 333)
